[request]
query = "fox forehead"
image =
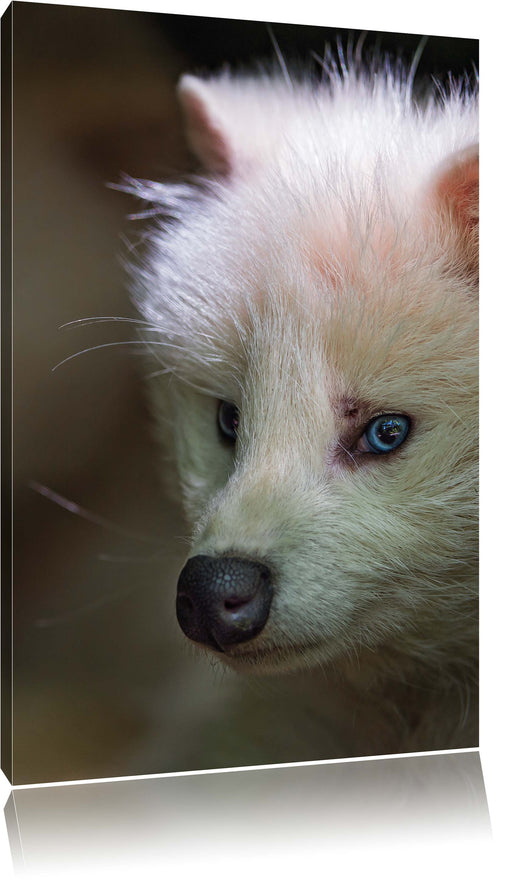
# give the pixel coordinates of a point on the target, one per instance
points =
(346, 316)
(393, 343)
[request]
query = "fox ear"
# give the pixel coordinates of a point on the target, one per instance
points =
(206, 124)
(232, 125)
(456, 198)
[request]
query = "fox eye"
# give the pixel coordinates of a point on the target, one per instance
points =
(385, 433)
(228, 420)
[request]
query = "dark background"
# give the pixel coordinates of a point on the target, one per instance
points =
(104, 684)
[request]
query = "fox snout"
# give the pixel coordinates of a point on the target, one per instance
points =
(223, 601)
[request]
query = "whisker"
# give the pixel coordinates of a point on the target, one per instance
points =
(91, 320)
(76, 509)
(210, 391)
(70, 615)
(143, 215)
(453, 412)
(144, 343)
(346, 451)
(100, 346)
(130, 559)
(132, 246)
(161, 373)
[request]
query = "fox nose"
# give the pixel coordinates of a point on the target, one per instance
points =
(223, 601)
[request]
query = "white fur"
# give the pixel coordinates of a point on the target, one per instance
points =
(326, 264)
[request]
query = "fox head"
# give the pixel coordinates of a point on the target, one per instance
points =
(312, 304)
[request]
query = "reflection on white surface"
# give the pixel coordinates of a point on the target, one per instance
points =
(197, 820)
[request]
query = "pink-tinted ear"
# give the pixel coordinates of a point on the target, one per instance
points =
(205, 126)
(234, 124)
(456, 199)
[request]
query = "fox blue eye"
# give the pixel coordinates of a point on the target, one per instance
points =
(386, 432)
(228, 420)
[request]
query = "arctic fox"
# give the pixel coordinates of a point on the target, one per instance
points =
(311, 301)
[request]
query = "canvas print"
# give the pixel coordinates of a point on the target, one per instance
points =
(244, 394)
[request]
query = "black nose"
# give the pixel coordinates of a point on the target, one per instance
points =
(223, 601)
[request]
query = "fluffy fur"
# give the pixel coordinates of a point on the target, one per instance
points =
(322, 272)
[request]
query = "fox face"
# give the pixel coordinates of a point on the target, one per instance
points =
(315, 315)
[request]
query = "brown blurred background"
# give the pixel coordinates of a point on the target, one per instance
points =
(104, 684)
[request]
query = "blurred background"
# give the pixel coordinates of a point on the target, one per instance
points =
(104, 683)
